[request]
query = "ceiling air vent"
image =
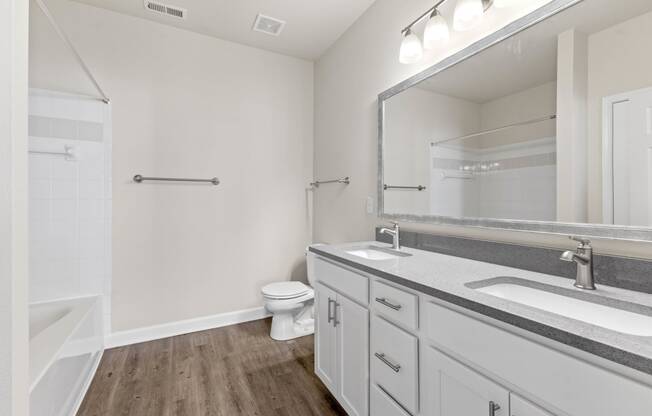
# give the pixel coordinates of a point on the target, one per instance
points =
(269, 25)
(165, 9)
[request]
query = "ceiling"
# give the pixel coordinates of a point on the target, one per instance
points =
(311, 26)
(529, 58)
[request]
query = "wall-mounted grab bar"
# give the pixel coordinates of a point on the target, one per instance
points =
(345, 181)
(418, 187)
(68, 152)
(140, 178)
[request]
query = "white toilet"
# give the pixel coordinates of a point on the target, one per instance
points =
(291, 304)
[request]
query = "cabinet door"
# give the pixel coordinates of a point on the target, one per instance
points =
(326, 337)
(455, 390)
(352, 322)
(521, 407)
(382, 405)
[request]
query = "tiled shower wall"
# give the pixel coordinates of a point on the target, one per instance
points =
(70, 198)
(514, 181)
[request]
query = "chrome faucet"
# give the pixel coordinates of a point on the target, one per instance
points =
(583, 256)
(395, 233)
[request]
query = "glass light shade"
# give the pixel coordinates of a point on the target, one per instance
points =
(467, 14)
(501, 4)
(411, 49)
(436, 31)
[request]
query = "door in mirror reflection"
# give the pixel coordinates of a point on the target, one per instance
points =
(627, 176)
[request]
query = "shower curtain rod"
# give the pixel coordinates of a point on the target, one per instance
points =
(67, 41)
(509, 126)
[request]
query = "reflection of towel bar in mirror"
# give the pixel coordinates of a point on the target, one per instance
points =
(141, 178)
(497, 129)
(457, 175)
(68, 152)
(345, 181)
(418, 187)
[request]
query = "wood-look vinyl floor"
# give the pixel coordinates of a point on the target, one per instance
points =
(230, 371)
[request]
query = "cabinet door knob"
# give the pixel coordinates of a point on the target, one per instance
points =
(381, 357)
(384, 301)
(493, 408)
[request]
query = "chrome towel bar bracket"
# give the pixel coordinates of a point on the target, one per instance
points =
(141, 178)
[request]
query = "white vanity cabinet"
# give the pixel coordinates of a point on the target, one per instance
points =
(383, 349)
(342, 336)
(542, 370)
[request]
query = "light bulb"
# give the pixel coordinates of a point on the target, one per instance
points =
(436, 31)
(467, 14)
(501, 4)
(411, 49)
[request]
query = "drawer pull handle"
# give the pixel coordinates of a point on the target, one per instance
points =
(381, 357)
(493, 408)
(383, 301)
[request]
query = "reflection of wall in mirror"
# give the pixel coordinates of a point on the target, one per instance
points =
(619, 60)
(413, 118)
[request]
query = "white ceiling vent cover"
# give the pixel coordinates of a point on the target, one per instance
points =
(269, 25)
(160, 8)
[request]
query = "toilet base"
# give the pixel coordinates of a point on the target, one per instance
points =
(285, 326)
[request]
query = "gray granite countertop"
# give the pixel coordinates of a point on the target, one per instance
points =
(448, 278)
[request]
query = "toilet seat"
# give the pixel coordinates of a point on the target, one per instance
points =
(285, 290)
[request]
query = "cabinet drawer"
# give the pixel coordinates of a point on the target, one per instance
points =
(545, 372)
(352, 284)
(394, 362)
(383, 405)
(397, 305)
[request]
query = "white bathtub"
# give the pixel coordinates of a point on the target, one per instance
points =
(66, 340)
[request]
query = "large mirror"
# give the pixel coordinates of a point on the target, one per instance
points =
(549, 129)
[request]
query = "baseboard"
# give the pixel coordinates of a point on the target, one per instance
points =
(134, 336)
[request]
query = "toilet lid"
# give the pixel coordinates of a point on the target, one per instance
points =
(284, 290)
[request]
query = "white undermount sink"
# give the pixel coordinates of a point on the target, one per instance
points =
(377, 253)
(608, 317)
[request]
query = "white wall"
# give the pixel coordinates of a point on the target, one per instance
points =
(618, 61)
(348, 78)
(13, 209)
(187, 105)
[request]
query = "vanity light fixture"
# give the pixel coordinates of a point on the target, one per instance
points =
(436, 30)
(467, 15)
(411, 49)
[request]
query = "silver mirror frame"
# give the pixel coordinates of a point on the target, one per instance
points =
(592, 230)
